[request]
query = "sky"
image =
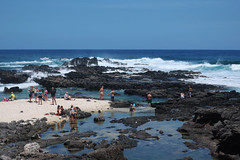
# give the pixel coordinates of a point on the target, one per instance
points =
(120, 24)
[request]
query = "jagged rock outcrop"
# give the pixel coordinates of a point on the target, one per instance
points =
(12, 89)
(7, 76)
(41, 68)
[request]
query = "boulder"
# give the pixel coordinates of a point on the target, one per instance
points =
(110, 153)
(11, 76)
(12, 89)
(99, 119)
(85, 61)
(32, 148)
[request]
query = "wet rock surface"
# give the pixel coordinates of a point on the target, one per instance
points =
(216, 128)
(12, 76)
(133, 122)
(113, 152)
(85, 61)
(126, 142)
(99, 119)
(142, 134)
(90, 76)
(21, 130)
(12, 89)
(183, 109)
(80, 114)
(73, 141)
(41, 68)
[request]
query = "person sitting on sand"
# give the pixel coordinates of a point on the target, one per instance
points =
(101, 92)
(112, 94)
(58, 110)
(62, 111)
(4, 99)
(67, 96)
(11, 97)
(149, 99)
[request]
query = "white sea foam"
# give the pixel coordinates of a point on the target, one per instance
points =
(21, 85)
(217, 74)
(156, 64)
(235, 67)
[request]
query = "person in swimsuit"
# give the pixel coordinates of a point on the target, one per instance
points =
(40, 95)
(30, 93)
(58, 110)
(190, 91)
(112, 94)
(4, 99)
(45, 94)
(36, 94)
(149, 99)
(101, 92)
(62, 111)
(53, 94)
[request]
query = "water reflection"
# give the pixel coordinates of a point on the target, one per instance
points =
(166, 147)
(60, 125)
(73, 122)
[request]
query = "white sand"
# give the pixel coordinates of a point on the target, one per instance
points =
(11, 111)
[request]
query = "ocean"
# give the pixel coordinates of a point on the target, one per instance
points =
(218, 67)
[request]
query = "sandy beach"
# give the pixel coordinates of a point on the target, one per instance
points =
(23, 110)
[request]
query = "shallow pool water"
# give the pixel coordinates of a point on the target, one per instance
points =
(170, 146)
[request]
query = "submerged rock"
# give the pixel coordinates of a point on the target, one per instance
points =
(126, 142)
(99, 119)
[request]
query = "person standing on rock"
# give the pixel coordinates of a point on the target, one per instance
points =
(101, 92)
(53, 95)
(112, 94)
(190, 91)
(149, 99)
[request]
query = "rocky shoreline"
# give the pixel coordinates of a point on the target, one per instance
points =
(212, 116)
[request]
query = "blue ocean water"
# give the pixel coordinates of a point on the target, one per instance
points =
(218, 67)
(211, 56)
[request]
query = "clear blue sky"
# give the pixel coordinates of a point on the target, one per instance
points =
(119, 24)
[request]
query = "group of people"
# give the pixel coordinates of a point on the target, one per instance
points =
(182, 95)
(10, 98)
(60, 111)
(41, 95)
(101, 92)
